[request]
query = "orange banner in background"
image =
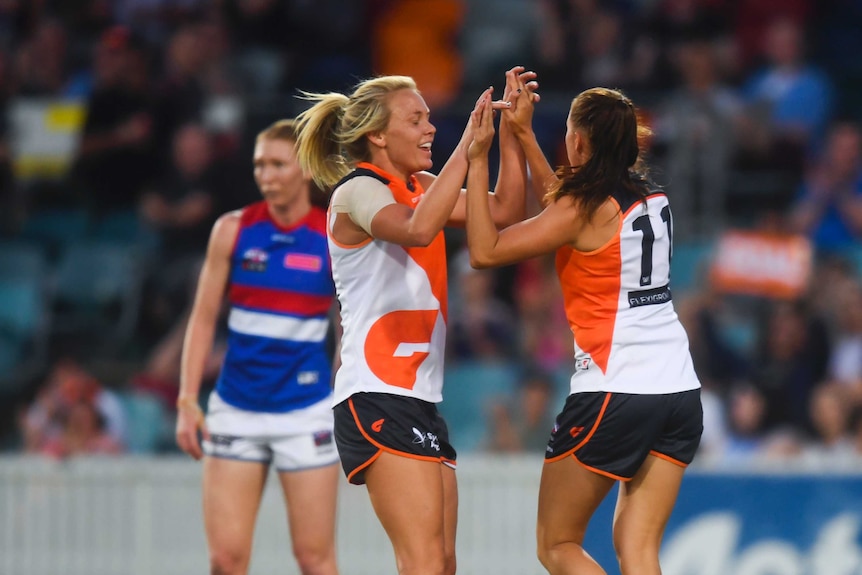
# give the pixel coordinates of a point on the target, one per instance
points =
(762, 264)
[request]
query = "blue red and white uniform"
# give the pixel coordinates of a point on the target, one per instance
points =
(280, 294)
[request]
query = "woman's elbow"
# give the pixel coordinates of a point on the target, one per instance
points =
(511, 218)
(505, 216)
(479, 261)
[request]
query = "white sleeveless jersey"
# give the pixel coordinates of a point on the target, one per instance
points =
(628, 338)
(393, 308)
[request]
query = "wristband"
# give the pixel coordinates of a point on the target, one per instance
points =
(187, 402)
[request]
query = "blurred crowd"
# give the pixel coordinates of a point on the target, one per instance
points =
(754, 110)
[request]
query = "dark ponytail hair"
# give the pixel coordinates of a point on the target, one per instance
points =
(609, 121)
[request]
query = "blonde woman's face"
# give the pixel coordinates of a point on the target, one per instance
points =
(276, 171)
(406, 141)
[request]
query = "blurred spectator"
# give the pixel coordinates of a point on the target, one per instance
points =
(83, 433)
(696, 126)
(829, 206)
(525, 421)
(545, 336)
(718, 364)
(419, 39)
(41, 65)
(495, 35)
(792, 357)
(788, 102)
(115, 157)
(480, 325)
(180, 96)
(85, 21)
(845, 362)
(259, 30)
(315, 45)
(746, 427)
(8, 194)
(673, 23)
(160, 375)
(830, 413)
(73, 411)
(154, 19)
(181, 208)
(753, 18)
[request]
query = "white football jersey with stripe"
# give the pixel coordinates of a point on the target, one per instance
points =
(628, 338)
(393, 308)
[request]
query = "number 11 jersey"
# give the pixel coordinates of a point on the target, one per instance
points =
(628, 338)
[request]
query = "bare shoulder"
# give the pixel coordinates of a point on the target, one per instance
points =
(425, 178)
(225, 230)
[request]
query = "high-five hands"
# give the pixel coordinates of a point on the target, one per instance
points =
(521, 86)
(481, 127)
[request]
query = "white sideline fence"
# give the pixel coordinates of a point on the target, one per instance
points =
(142, 516)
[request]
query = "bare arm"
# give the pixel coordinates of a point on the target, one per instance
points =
(399, 224)
(507, 203)
(520, 119)
(555, 226)
(200, 331)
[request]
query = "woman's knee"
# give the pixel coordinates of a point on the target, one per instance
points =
(635, 550)
(228, 561)
(314, 560)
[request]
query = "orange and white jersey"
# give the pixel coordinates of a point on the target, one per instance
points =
(393, 307)
(628, 338)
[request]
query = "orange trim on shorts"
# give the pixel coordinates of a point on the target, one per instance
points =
(589, 435)
(382, 447)
(668, 458)
(599, 471)
(371, 460)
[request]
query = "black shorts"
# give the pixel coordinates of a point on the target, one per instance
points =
(367, 424)
(613, 433)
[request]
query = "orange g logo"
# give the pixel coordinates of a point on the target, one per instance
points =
(398, 343)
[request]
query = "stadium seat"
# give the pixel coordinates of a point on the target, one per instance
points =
(124, 227)
(97, 292)
(23, 330)
(468, 391)
(148, 427)
(56, 227)
(22, 260)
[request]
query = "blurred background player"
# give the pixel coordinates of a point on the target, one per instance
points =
(272, 402)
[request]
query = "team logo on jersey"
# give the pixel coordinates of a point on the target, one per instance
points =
(303, 262)
(307, 377)
(398, 343)
(583, 363)
(255, 260)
